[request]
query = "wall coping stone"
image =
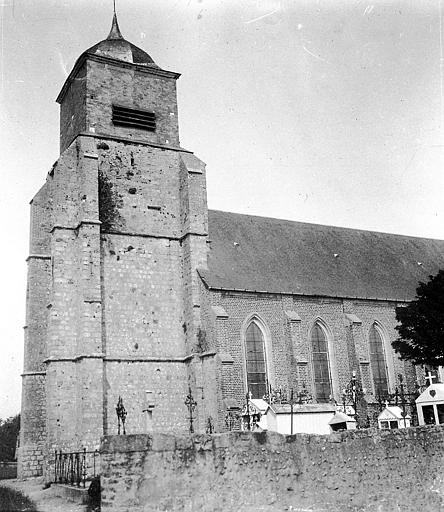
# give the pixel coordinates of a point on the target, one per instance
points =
(160, 442)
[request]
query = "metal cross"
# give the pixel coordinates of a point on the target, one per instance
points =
(429, 377)
(191, 404)
(121, 415)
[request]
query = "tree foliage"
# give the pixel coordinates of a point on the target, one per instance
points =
(9, 430)
(421, 324)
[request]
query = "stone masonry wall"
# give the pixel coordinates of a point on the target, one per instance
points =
(357, 470)
(33, 413)
(139, 189)
(131, 379)
(33, 429)
(73, 110)
(129, 86)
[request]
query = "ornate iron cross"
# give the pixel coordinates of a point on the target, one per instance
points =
(191, 404)
(121, 415)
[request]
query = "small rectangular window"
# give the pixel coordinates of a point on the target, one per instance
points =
(123, 116)
(428, 414)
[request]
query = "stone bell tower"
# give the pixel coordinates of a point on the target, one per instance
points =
(117, 232)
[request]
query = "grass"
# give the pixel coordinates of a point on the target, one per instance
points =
(15, 501)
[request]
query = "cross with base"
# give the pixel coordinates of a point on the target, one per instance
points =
(429, 377)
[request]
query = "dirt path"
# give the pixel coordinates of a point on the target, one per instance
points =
(46, 500)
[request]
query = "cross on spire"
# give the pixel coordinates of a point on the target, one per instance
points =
(429, 377)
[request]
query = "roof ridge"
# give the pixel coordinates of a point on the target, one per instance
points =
(329, 226)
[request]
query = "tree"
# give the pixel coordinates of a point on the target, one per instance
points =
(9, 430)
(421, 324)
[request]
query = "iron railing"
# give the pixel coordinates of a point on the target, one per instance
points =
(75, 468)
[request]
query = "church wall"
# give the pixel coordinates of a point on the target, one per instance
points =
(74, 339)
(239, 307)
(40, 222)
(142, 297)
(206, 387)
(73, 110)
(194, 222)
(130, 379)
(32, 446)
(147, 285)
(129, 87)
(384, 314)
(291, 354)
(33, 414)
(139, 189)
(330, 313)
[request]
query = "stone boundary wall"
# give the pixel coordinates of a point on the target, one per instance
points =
(8, 470)
(367, 470)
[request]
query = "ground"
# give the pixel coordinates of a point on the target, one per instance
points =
(46, 500)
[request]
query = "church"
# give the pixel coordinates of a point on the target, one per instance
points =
(137, 291)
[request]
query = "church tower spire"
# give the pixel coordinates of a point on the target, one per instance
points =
(115, 30)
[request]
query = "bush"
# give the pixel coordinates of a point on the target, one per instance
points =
(9, 431)
(94, 494)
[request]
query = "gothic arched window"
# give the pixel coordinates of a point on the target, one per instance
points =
(377, 362)
(255, 359)
(321, 370)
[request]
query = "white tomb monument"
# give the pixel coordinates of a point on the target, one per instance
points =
(392, 417)
(306, 418)
(430, 403)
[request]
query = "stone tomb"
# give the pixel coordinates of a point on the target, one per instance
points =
(392, 417)
(307, 418)
(430, 405)
(342, 421)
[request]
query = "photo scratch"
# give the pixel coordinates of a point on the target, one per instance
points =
(261, 17)
(313, 54)
(63, 65)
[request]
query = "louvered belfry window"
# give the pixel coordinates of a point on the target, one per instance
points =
(256, 367)
(319, 351)
(377, 361)
(142, 119)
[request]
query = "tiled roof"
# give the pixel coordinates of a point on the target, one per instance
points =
(280, 256)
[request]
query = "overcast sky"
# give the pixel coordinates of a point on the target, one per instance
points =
(320, 111)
